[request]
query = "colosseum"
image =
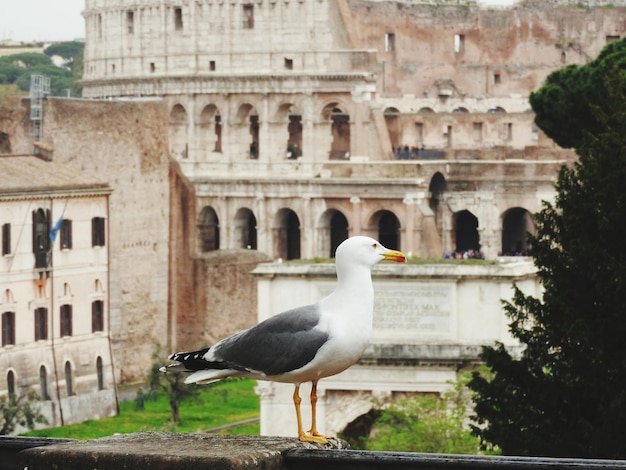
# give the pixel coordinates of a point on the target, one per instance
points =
(302, 121)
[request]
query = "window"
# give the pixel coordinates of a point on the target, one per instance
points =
(100, 373)
(497, 78)
(390, 42)
(41, 324)
(41, 237)
(66, 234)
(11, 383)
(288, 63)
(6, 239)
(248, 16)
(611, 38)
(459, 43)
(97, 231)
(97, 316)
(212, 65)
(43, 383)
(152, 67)
(66, 320)
(68, 379)
(478, 131)
(178, 19)
(8, 328)
(507, 131)
(130, 21)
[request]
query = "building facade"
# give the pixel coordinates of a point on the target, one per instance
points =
(302, 121)
(54, 288)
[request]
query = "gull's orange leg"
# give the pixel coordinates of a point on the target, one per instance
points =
(301, 434)
(314, 431)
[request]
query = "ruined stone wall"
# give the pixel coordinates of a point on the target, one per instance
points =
(226, 297)
(520, 45)
(125, 144)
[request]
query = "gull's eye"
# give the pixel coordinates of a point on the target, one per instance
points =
(374, 245)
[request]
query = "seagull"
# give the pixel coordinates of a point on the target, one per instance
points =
(304, 344)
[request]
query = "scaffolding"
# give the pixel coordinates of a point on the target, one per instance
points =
(39, 89)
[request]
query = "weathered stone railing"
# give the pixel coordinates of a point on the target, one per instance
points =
(158, 450)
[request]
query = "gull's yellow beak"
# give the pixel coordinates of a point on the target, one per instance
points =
(394, 255)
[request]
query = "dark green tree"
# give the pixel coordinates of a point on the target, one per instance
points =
(566, 394)
(563, 105)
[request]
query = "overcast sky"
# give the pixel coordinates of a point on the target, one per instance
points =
(60, 20)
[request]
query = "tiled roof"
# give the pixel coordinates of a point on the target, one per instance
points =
(28, 173)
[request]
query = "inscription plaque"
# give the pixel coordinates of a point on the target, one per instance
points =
(421, 309)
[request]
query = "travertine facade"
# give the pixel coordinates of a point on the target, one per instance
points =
(301, 121)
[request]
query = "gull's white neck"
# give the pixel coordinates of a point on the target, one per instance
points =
(354, 295)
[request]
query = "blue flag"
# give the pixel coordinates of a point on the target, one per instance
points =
(55, 229)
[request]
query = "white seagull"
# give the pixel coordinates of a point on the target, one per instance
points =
(304, 344)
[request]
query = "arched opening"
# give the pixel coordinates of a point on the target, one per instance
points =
(68, 379)
(517, 223)
(387, 226)
(100, 373)
(43, 383)
(211, 126)
(287, 235)
(294, 144)
(340, 131)
(436, 189)
(245, 229)
(208, 230)
(248, 121)
(394, 127)
(332, 230)
(466, 232)
(178, 131)
(11, 383)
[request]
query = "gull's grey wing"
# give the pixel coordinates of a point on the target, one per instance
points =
(280, 344)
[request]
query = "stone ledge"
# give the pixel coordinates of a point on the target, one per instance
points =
(171, 451)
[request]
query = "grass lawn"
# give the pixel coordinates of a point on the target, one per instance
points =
(218, 404)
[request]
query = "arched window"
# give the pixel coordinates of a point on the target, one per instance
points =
(517, 223)
(245, 229)
(340, 131)
(100, 373)
(466, 231)
(208, 230)
(287, 234)
(43, 383)
(387, 227)
(68, 379)
(11, 383)
(178, 131)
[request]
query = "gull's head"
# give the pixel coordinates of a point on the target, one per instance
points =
(366, 251)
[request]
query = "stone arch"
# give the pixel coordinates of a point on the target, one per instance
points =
(517, 223)
(290, 115)
(208, 230)
(426, 110)
(286, 234)
(436, 191)
(245, 229)
(496, 109)
(466, 231)
(178, 121)
(394, 126)
(210, 122)
(247, 127)
(332, 229)
(339, 119)
(387, 227)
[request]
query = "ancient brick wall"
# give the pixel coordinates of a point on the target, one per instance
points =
(125, 144)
